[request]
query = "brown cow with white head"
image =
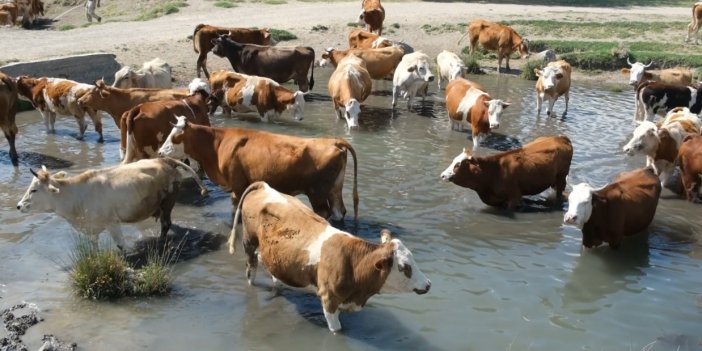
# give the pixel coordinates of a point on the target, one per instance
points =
(638, 74)
(554, 82)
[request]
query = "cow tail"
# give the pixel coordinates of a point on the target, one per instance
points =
(463, 36)
(197, 29)
(129, 142)
(348, 146)
(232, 236)
(191, 171)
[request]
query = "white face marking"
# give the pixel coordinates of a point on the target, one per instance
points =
(273, 196)
(171, 149)
(352, 111)
(198, 84)
(397, 281)
(448, 173)
(378, 42)
(579, 205)
(456, 70)
(636, 73)
(315, 249)
(549, 77)
(644, 141)
(495, 108)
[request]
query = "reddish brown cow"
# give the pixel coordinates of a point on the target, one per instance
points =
(204, 34)
(8, 110)
(496, 37)
(373, 14)
(218, 79)
(502, 179)
(235, 157)
(694, 25)
(379, 62)
(690, 161)
(619, 209)
(11, 10)
(360, 39)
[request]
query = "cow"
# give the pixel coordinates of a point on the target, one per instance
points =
(496, 37)
(5, 19)
(52, 96)
(300, 249)
(553, 82)
(694, 25)
(116, 101)
(660, 144)
(689, 159)
(264, 96)
(8, 110)
(373, 14)
(379, 62)
(470, 106)
(29, 10)
(412, 76)
(349, 86)
(502, 179)
(11, 12)
(234, 158)
(622, 208)
(204, 34)
(659, 98)
(154, 74)
(144, 128)
(543, 57)
(278, 63)
(637, 74)
(217, 81)
(101, 199)
(450, 67)
(360, 39)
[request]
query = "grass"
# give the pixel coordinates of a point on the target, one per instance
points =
(227, 4)
(162, 10)
(355, 24)
(528, 70)
(472, 64)
(282, 35)
(581, 3)
(320, 28)
(65, 27)
(593, 30)
(444, 28)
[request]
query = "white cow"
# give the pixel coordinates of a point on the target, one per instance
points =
(102, 199)
(412, 77)
(450, 66)
(153, 74)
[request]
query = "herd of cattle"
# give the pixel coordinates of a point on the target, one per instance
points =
(160, 126)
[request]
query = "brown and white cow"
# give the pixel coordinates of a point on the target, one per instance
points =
(360, 39)
(470, 106)
(155, 74)
(280, 63)
(496, 37)
(412, 77)
(349, 86)
(379, 62)
(622, 208)
(8, 110)
(144, 128)
(554, 82)
(204, 34)
(654, 98)
(660, 143)
(116, 101)
(101, 199)
(264, 96)
(502, 179)
(638, 74)
(29, 10)
(373, 14)
(450, 67)
(689, 159)
(6, 19)
(218, 79)
(694, 25)
(12, 11)
(345, 270)
(52, 96)
(234, 158)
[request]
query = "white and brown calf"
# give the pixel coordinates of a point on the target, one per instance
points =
(349, 86)
(412, 76)
(264, 96)
(554, 82)
(301, 249)
(450, 66)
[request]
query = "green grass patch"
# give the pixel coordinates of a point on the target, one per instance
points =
(443, 28)
(528, 69)
(355, 24)
(320, 28)
(162, 10)
(282, 35)
(395, 25)
(472, 64)
(226, 4)
(593, 30)
(581, 3)
(65, 27)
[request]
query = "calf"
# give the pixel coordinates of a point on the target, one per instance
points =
(450, 67)
(235, 157)
(690, 161)
(360, 39)
(8, 110)
(301, 249)
(412, 76)
(660, 143)
(263, 95)
(638, 74)
(694, 25)
(545, 57)
(496, 37)
(373, 14)
(204, 34)
(349, 86)
(379, 62)
(502, 179)
(153, 74)
(468, 105)
(103, 198)
(554, 82)
(658, 98)
(619, 209)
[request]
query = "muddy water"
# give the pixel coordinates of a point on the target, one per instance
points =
(501, 281)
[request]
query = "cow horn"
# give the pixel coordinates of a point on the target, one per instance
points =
(649, 64)
(629, 62)
(34, 173)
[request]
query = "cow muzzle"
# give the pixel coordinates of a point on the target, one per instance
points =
(570, 219)
(423, 291)
(494, 125)
(447, 176)
(430, 79)
(23, 207)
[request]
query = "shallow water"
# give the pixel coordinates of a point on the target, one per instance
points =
(500, 281)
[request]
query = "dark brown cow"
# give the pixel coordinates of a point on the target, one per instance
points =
(8, 110)
(502, 179)
(204, 34)
(496, 37)
(690, 161)
(278, 63)
(622, 208)
(234, 158)
(373, 14)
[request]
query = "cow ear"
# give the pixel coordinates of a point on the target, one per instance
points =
(598, 200)
(412, 68)
(54, 189)
(59, 175)
(487, 103)
(506, 104)
(537, 72)
(625, 71)
(385, 236)
(384, 263)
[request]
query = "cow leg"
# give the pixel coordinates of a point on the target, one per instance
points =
(499, 62)
(336, 200)
(319, 202)
(97, 122)
(250, 246)
(514, 201)
(275, 288)
(410, 99)
(507, 63)
(438, 81)
(340, 111)
(539, 103)
(331, 313)
(560, 186)
(166, 208)
(551, 101)
(394, 95)
(81, 126)
(10, 133)
(115, 231)
(477, 139)
(201, 65)
(567, 99)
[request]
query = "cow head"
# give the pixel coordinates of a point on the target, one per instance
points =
(381, 42)
(644, 141)
(422, 70)
(41, 192)
(581, 203)
(222, 43)
(637, 72)
(457, 69)
(495, 108)
(326, 57)
(94, 95)
(462, 170)
(267, 38)
(523, 48)
(174, 147)
(125, 78)
(299, 105)
(352, 110)
(549, 76)
(198, 85)
(404, 273)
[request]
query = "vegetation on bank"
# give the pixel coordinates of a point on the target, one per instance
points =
(582, 3)
(163, 9)
(281, 35)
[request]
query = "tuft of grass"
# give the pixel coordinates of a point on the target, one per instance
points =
(162, 10)
(395, 25)
(320, 28)
(65, 27)
(154, 278)
(282, 35)
(472, 64)
(443, 28)
(593, 30)
(355, 24)
(528, 70)
(227, 4)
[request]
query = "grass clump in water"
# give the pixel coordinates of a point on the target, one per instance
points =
(472, 64)
(528, 69)
(162, 10)
(281, 35)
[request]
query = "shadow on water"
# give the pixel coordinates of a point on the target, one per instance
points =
(367, 229)
(501, 142)
(309, 97)
(374, 119)
(35, 160)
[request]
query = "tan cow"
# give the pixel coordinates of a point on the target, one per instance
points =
(379, 62)
(694, 25)
(12, 11)
(5, 19)
(554, 82)
(450, 66)
(502, 179)
(262, 95)
(52, 96)
(470, 106)
(496, 37)
(301, 249)
(360, 39)
(8, 110)
(204, 34)
(638, 74)
(234, 158)
(373, 14)
(154, 74)
(689, 159)
(349, 86)
(29, 10)
(217, 81)
(103, 198)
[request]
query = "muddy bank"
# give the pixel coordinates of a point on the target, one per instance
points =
(17, 320)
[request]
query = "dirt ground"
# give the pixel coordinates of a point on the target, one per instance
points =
(134, 42)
